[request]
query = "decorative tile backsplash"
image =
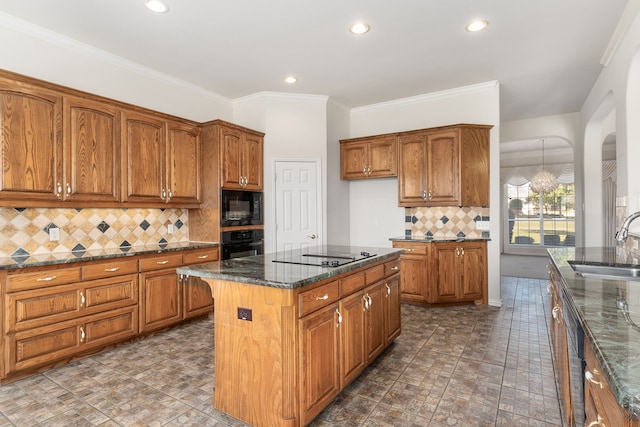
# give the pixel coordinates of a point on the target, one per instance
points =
(456, 222)
(25, 230)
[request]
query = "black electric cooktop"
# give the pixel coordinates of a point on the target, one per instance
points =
(322, 259)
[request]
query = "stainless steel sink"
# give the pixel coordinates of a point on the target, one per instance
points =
(614, 272)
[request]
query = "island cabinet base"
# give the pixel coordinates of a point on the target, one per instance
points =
(283, 354)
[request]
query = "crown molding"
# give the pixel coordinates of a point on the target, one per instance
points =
(628, 15)
(265, 95)
(463, 90)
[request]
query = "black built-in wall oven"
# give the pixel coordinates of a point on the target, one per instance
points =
(239, 209)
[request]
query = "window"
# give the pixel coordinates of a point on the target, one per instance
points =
(541, 220)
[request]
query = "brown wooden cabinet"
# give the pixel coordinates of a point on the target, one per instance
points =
(184, 163)
(459, 272)
(368, 157)
(160, 291)
(447, 166)
(241, 157)
(443, 272)
(559, 346)
(196, 294)
(91, 151)
(30, 143)
(414, 284)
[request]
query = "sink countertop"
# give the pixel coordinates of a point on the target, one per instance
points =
(431, 239)
(616, 343)
(39, 260)
(261, 270)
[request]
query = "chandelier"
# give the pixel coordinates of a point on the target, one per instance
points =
(543, 181)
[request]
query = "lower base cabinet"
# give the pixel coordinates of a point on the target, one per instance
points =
(52, 314)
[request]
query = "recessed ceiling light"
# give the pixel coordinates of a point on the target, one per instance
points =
(359, 28)
(156, 6)
(290, 79)
(477, 25)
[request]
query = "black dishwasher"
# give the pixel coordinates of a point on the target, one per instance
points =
(575, 344)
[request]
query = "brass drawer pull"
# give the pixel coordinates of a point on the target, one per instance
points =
(589, 376)
(112, 269)
(162, 262)
(323, 297)
(203, 257)
(46, 279)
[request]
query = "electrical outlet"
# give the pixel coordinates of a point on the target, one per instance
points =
(170, 229)
(54, 234)
(482, 225)
(439, 224)
(245, 314)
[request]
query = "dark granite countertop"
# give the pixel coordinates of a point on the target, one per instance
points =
(614, 338)
(430, 239)
(261, 270)
(93, 255)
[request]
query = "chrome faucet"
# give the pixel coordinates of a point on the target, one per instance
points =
(622, 234)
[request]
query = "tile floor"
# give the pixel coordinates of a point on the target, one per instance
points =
(452, 366)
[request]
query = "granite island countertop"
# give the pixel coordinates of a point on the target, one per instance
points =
(435, 239)
(38, 260)
(614, 337)
(262, 270)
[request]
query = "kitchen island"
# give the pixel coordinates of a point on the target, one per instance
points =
(291, 333)
(608, 312)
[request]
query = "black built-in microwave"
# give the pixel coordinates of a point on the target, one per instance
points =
(240, 208)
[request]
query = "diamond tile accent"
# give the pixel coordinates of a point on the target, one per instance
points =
(20, 256)
(422, 221)
(103, 226)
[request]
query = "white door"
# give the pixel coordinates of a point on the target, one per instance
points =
(298, 204)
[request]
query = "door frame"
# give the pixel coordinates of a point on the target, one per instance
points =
(319, 195)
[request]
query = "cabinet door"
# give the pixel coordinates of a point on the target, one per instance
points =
(30, 143)
(230, 158)
(353, 160)
(197, 299)
(376, 336)
(352, 337)
(382, 155)
(445, 263)
(161, 299)
(443, 168)
(412, 179)
(320, 367)
(184, 163)
(92, 151)
(473, 272)
(252, 159)
(144, 145)
(414, 280)
(392, 320)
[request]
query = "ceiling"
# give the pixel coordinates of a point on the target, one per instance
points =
(545, 53)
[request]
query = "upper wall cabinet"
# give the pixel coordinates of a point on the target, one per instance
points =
(31, 143)
(241, 157)
(91, 151)
(368, 157)
(447, 166)
(162, 160)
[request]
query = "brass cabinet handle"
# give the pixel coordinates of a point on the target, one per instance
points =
(549, 288)
(589, 376)
(203, 257)
(388, 289)
(339, 318)
(68, 188)
(409, 249)
(112, 269)
(58, 189)
(46, 279)
(163, 195)
(598, 422)
(323, 297)
(82, 299)
(366, 302)
(162, 262)
(395, 267)
(83, 334)
(556, 313)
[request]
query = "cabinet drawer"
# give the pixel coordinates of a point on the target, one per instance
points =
(162, 261)
(391, 267)
(34, 280)
(352, 283)
(317, 298)
(198, 256)
(374, 274)
(36, 308)
(42, 346)
(112, 268)
(411, 248)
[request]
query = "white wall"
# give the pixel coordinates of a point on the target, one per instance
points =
(338, 206)
(376, 201)
(616, 90)
(295, 127)
(36, 52)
